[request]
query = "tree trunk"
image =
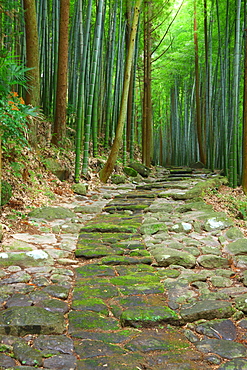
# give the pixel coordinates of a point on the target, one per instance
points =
(32, 53)
(61, 96)
(108, 168)
(235, 102)
(0, 171)
(244, 175)
(93, 72)
(32, 56)
(198, 105)
(130, 97)
(81, 91)
(147, 99)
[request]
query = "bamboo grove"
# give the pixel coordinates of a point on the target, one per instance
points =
(167, 79)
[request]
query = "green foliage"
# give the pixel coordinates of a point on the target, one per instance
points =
(12, 73)
(13, 111)
(13, 125)
(6, 192)
(17, 168)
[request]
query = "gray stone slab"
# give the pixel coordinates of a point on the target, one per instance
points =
(20, 321)
(237, 247)
(149, 317)
(207, 309)
(36, 239)
(224, 348)
(167, 256)
(219, 329)
(61, 362)
(212, 261)
(59, 343)
(238, 363)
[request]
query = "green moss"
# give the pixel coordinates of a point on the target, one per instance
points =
(131, 207)
(97, 271)
(102, 251)
(90, 304)
(135, 279)
(91, 320)
(5, 348)
(142, 289)
(140, 316)
(90, 281)
(164, 274)
(52, 213)
(96, 291)
(130, 171)
(126, 270)
(113, 223)
(106, 227)
(125, 260)
(139, 253)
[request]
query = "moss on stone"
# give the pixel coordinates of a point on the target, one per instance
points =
(139, 253)
(94, 270)
(52, 213)
(142, 289)
(130, 172)
(168, 273)
(90, 304)
(134, 279)
(148, 316)
(90, 320)
(95, 291)
(125, 260)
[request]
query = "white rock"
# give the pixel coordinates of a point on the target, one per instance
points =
(38, 254)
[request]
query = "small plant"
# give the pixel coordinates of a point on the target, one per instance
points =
(13, 111)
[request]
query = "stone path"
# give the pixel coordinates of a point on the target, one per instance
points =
(155, 280)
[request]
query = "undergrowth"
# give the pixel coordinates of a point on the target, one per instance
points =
(231, 201)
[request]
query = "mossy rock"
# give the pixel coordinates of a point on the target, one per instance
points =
(6, 192)
(118, 179)
(130, 172)
(57, 169)
(80, 189)
(200, 188)
(140, 168)
(52, 213)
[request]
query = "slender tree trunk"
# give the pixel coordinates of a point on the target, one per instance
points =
(144, 98)
(110, 70)
(32, 57)
(0, 171)
(108, 168)
(81, 92)
(61, 96)
(235, 105)
(208, 108)
(198, 105)
(244, 175)
(32, 53)
(93, 72)
(149, 135)
(147, 101)
(130, 97)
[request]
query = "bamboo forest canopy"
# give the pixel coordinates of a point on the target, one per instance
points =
(182, 100)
